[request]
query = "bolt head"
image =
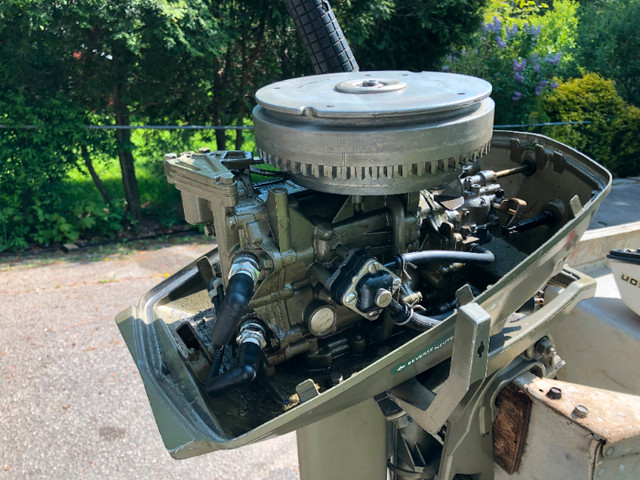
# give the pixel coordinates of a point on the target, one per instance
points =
(554, 393)
(397, 282)
(580, 411)
(372, 268)
(350, 298)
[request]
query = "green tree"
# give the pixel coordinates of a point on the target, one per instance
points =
(258, 45)
(519, 50)
(609, 43)
(407, 34)
(124, 61)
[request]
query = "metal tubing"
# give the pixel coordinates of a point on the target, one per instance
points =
(477, 255)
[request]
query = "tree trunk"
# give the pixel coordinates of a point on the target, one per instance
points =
(123, 137)
(94, 175)
(124, 145)
(239, 139)
(221, 139)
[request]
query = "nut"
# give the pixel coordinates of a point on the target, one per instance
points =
(580, 411)
(554, 393)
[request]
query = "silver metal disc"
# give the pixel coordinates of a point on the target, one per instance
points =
(372, 133)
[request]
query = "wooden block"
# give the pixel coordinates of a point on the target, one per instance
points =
(510, 427)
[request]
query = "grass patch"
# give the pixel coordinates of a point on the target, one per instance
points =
(72, 210)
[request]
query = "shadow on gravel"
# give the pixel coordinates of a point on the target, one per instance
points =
(115, 249)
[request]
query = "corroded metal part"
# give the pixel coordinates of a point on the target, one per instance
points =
(374, 133)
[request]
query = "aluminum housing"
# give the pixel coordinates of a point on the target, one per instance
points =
(374, 133)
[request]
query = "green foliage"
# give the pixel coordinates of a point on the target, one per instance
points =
(612, 138)
(407, 34)
(626, 142)
(519, 50)
(609, 43)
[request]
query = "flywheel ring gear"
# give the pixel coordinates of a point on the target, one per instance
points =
(374, 133)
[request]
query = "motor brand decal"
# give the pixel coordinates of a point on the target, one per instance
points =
(628, 279)
(435, 346)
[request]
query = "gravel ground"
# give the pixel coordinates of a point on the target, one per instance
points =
(620, 206)
(72, 404)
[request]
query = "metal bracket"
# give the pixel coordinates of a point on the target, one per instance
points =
(468, 365)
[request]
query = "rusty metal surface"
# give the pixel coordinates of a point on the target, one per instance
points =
(612, 416)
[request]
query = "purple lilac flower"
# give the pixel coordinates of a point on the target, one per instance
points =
(500, 43)
(519, 66)
(554, 59)
(519, 77)
(516, 96)
(532, 30)
(497, 24)
(494, 26)
(544, 83)
(539, 89)
(536, 68)
(554, 85)
(512, 32)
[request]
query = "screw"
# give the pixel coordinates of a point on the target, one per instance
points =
(554, 393)
(350, 298)
(372, 268)
(397, 282)
(370, 83)
(609, 451)
(580, 411)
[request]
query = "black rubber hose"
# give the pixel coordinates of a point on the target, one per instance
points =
(322, 36)
(218, 298)
(217, 362)
(235, 305)
(477, 255)
(250, 358)
(402, 314)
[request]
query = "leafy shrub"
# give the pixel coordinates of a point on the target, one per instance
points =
(519, 50)
(613, 135)
(609, 43)
(625, 146)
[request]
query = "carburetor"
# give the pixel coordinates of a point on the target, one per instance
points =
(371, 220)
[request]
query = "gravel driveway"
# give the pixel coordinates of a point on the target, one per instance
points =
(72, 404)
